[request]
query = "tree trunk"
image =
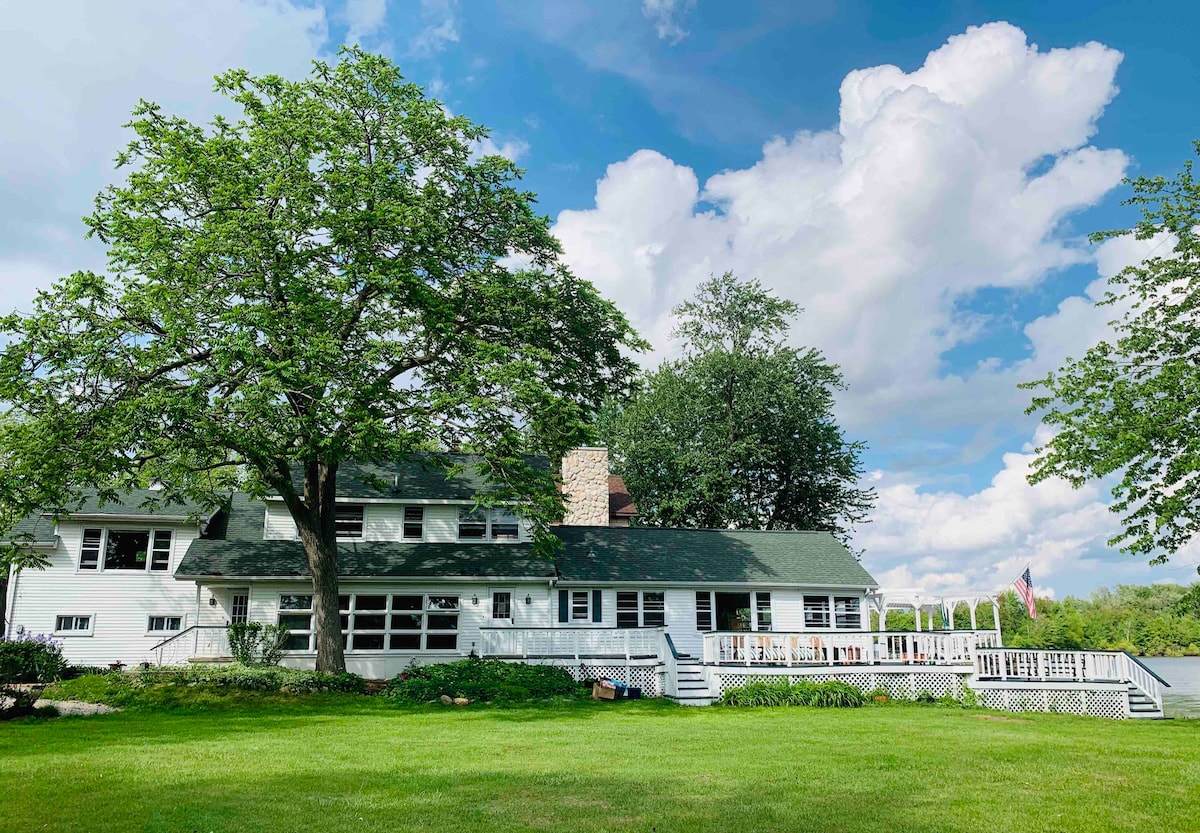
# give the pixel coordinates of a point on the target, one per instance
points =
(323, 564)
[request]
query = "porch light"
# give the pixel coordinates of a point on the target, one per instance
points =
(212, 601)
(475, 599)
(528, 599)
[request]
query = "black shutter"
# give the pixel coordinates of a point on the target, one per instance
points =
(596, 616)
(563, 606)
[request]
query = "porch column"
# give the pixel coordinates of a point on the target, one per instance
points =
(917, 616)
(974, 627)
(996, 619)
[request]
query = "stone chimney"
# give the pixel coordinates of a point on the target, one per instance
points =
(585, 486)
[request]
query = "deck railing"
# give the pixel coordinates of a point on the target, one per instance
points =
(1029, 664)
(856, 648)
(195, 642)
(626, 643)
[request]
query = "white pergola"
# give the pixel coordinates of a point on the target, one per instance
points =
(920, 601)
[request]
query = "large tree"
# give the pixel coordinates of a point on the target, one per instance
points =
(739, 432)
(324, 278)
(1130, 408)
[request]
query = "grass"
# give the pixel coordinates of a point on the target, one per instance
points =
(253, 762)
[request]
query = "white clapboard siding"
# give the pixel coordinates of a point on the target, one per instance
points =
(279, 525)
(681, 622)
(119, 602)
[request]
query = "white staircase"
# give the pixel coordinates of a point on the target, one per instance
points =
(691, 689)
(1142, 705)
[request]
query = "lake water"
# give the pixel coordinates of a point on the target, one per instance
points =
(1182, 699)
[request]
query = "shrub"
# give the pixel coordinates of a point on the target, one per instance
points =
(831, 694)
(481, 679)
(253, 643)
(27, 664)
(250, 678)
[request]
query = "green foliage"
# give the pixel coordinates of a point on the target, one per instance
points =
(30, 659)
(830, 694)
(1132, 408)
(171, 685)
(253, 643)
(1157, 619)
(739, 432)
(480, 679)
(324, 278)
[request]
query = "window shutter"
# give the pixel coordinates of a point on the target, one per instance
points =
(596, 614)
(563, 606)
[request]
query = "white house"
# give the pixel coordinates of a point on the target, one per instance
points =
(427, 576)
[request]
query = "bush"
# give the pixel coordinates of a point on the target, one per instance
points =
(782, 693)
(481, 679)
(30, 659)
(253, 643)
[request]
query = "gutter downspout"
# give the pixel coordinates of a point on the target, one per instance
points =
(10, 601)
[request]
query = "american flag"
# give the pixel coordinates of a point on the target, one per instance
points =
(1024, 586)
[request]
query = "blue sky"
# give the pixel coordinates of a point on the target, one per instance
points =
(931, 221)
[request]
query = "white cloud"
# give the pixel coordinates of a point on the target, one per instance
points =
(440, 28)
(511, 149)
(76, 71)
(365, 18)
(667, 17)
(920, 197)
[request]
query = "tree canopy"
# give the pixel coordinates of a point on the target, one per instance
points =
(739, 432)
(327, 277)
(1131, 408)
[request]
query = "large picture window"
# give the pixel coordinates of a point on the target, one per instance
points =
(126, 550)
(378, 622)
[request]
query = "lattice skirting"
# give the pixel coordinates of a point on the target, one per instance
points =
(905, 686)
(1108, 703)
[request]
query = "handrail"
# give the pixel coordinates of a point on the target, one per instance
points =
(671, 645)
(175, 636)
(194, 630)
(1146, 668)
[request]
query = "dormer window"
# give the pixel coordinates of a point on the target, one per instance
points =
(488, 525)
(348, 521)
(129, 550)
(414, 523)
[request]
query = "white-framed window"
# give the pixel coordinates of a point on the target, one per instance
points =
(762, 610)
(502, 606)
(164, 624)
(488, 525)
(816, 612)
(641, 609)
(704, 610)
(847, 613)
(378, 621)
(581, 605)
(348, 521)
(125, 550)
(73, 625)
(414, 523)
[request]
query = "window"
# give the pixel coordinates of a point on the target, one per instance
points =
(502, 605)
(348, 521)
(73, 625)
(472, 525)
(488, 525)
(640, 609)
(704, 618)
(414, 523)
(89, 553)
(816, 611)
(164, 624)
(847, 612)
(378, 622)
(160, 553)
(126, 550)
(581, 607)
(762, 601)
(627, 609)
(504, 525)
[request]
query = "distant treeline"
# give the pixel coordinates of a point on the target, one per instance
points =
(1155, 620)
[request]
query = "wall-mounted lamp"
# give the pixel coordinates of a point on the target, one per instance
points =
(528, 599)
(475, 600)
(212, 601)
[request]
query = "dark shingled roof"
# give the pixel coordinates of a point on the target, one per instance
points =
(233, 547)
(421, 476)
(141, 503)
(607, 553)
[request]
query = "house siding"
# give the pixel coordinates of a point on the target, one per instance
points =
(119, 602)
(381, 522)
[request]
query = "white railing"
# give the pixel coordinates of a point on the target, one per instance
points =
(197, 642)
(1029, 664)
(856, 648)
(572, 642)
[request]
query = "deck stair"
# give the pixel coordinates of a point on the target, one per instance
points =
(691, 689)
(1142, 706)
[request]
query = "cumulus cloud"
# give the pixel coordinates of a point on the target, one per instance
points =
(934, 185)
(440, 28)
(667, 17)
(365, 18)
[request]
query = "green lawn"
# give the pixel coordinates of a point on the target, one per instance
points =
(361, 764)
